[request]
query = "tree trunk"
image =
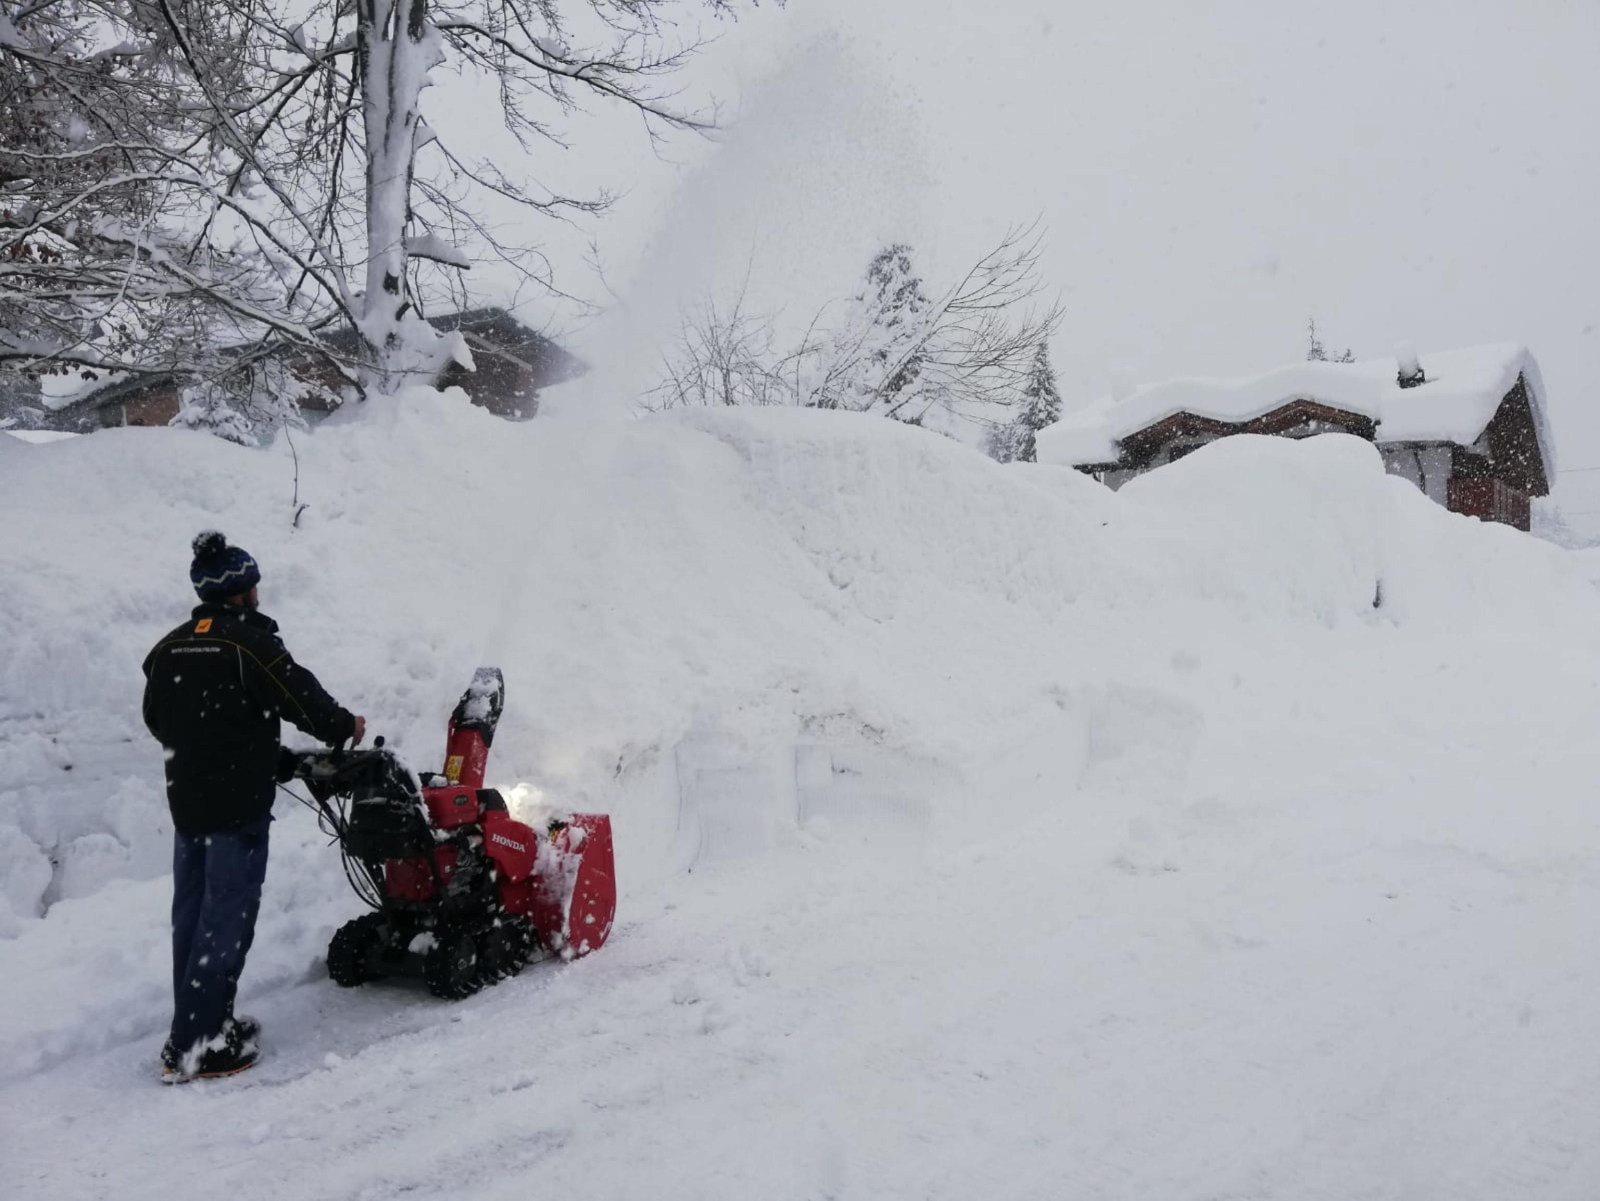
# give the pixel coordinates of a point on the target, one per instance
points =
(397, 50)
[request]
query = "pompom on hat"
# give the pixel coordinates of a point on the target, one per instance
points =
(219, 570)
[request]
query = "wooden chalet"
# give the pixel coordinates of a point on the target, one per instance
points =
(514, 362)
(1467, 427)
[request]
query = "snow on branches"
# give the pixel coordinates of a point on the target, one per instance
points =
(963, 355)
(214, 174)
(1040, 407)
(875, 358)
(251, 402)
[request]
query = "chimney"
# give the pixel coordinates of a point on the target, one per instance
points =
(1411, 373)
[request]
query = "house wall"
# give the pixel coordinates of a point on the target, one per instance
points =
(1459, 480)
(158, 406)
(1490, 499)
(1428, 466)
(1511, 443)
(1402, 462)
(502, 385)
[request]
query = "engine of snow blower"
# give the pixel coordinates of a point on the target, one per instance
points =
(462, 893)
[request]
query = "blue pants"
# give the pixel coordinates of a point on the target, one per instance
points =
(216, 894)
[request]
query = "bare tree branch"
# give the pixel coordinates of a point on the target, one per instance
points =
(174, 173)
(970, 352)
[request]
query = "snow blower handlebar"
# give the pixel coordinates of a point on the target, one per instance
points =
(342, 783)
(472, 727)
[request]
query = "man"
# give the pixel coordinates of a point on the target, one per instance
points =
(215, 689)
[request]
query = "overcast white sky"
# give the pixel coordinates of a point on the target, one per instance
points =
(1211, 174)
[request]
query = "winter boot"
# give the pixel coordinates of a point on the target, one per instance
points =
(171, 1065)
(244, 1029)
(225, 1055)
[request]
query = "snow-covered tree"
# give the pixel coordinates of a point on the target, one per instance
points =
(250, 402)
(205, 407)
(176, 178)
(1041, 407)
(966, 352)
(1000, 443)
(95, 128)
(897, 350)
(875, 357)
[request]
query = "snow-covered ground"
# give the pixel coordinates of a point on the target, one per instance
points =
(982, 833)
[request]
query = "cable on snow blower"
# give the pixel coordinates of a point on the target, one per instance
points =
(463, 894)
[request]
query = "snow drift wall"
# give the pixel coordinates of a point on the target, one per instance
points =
(770, 577)
(732, 630)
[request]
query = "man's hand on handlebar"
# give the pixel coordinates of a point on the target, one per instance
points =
(361, 731)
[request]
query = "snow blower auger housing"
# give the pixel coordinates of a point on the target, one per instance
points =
(463, 894)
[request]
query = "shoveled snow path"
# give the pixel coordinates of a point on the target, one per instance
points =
(837, 1023)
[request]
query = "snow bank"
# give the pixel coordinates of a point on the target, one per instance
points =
(735, 631)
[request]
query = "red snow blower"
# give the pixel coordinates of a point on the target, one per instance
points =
(463, 894)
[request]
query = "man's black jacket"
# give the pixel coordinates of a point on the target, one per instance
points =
(215, 689)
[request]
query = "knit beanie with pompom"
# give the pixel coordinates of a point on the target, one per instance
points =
(219, 570)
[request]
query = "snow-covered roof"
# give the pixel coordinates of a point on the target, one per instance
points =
(1463, 392)
(40, 437)
(59, 392)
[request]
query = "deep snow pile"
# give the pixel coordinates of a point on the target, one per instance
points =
(760, 577)
(781, 646)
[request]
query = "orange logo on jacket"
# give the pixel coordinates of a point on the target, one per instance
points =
(203, 626)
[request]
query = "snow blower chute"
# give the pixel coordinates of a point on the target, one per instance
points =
(462, 892)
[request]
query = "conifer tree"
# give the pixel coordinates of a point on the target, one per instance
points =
(1041, 407)
(876, 356)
